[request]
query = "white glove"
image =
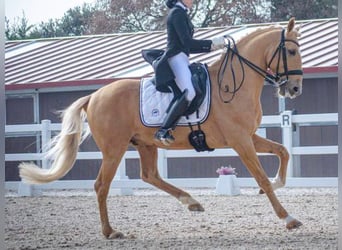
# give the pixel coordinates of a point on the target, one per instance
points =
(218, 43)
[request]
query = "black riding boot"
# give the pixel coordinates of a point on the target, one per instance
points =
(177, 109)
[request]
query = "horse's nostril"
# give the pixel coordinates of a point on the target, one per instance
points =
(295, 89)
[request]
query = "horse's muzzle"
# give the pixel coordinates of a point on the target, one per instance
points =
(291, 89)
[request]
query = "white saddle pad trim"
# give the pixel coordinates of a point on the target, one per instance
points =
(153, 106)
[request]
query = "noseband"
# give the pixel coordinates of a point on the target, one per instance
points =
(274, 79)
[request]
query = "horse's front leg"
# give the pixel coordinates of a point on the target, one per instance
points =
(149, 173)
(246, 150)
(263, 145)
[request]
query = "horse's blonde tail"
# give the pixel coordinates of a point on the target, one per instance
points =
(63, 148)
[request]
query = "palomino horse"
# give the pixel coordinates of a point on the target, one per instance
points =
(113, 116)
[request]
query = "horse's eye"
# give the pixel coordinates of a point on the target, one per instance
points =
(292, 52)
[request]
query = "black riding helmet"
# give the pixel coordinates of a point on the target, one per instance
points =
(170, 3)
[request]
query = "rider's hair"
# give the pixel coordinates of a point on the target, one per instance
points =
(171, 3)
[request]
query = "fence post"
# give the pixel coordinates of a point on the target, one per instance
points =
(296, 158)
(46, 137)
(162, 163)
(286, 125)
(33, 190)
(121, 175)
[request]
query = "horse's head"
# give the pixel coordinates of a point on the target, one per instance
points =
(287, 62)
(276, 58)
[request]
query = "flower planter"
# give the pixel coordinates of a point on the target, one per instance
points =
(227, 185)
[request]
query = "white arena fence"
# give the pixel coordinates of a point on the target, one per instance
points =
(290, 139)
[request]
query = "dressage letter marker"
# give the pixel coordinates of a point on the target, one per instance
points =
(286, 119)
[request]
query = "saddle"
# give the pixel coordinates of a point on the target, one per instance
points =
(199, 79)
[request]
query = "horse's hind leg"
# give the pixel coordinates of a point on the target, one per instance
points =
(247, 153)
(149, 173)
(102, 184)
(263, 145)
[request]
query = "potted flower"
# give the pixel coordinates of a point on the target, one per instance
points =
(227, 182)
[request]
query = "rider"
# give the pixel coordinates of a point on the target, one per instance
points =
(180, 44)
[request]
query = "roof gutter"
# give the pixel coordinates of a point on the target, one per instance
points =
(320, 72)
(309, 73)
(62, 84)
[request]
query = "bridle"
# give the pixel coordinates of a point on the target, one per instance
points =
(275, 79)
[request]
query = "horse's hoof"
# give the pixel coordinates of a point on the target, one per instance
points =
(293, 224)
(196, 207)
(261, 191)
(116, 235)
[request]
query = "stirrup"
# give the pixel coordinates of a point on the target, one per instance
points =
(164, 136)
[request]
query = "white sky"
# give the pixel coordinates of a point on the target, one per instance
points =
(40, 10)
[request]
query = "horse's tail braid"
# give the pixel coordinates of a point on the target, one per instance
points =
(63, 148)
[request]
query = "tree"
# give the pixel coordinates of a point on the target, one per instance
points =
(129, 16)
(303, 9)
(19, 29)
(77, 21)
(115, 16)
(146, 15)
(223, 12)
(47, 29)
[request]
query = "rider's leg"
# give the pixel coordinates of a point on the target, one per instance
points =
(177, 109)
(180, 67)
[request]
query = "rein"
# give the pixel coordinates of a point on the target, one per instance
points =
(274, 79)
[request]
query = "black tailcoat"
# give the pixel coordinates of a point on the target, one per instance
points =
(180, 33)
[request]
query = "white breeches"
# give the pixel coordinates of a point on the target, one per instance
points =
(180, 67)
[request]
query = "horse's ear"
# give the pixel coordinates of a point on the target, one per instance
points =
(297, 29)
(291, 25)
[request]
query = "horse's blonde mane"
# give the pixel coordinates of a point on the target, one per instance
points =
(254, 33)
(250, 35)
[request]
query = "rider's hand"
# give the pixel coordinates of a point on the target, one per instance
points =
(218, 43)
